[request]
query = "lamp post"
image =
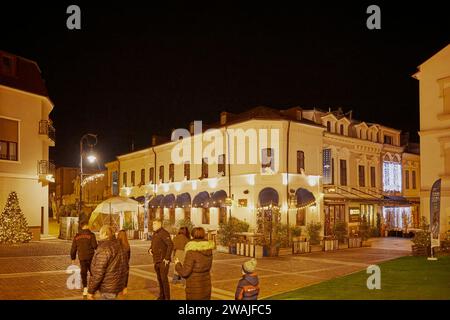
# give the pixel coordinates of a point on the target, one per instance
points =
(90, 157)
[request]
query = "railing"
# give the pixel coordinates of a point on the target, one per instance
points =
(46, 127)
(46, 167)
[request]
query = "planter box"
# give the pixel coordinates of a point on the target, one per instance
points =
(421, 251)
(132, 234)
(259, 251)
(271, 251)
(330, 244)
(354, 242)
(300, 247)
(222, 249)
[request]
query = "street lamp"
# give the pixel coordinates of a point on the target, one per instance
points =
(90, 157)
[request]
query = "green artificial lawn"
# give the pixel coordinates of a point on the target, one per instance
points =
(402, 278)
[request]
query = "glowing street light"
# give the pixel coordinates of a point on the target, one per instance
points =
(91, 159)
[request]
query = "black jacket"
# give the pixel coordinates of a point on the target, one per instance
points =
(248, 287)
(162, 246)
(85, 244)
(109, 268)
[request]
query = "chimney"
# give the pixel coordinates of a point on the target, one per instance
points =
(154, 140)
(223, 117)
(191, 128)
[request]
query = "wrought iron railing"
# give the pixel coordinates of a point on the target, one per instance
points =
(46, 167)
(46, 127)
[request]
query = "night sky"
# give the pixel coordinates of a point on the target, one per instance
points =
(137, 69)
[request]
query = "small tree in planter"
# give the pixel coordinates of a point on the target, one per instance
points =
(227, 234)
(313, 231)
(296, 233)
(340, 231)
(268, 221)
(185, 223)
(422, 239)
(364, 229)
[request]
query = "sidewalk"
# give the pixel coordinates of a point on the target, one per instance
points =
(37, 270)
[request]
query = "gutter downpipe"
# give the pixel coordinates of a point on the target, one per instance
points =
(229, 165)
(287, 184)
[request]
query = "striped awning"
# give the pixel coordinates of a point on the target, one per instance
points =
(183, 200)
(168, 201)
(201, 200)
(304, 198)
(155, 202)
(268, 196)
(218, 199)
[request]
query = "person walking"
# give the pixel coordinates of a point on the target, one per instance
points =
(197, 266)
(248, 286)
(84, 243)
(179, 242)
(123, 239)
(109, 267)
(161, 250)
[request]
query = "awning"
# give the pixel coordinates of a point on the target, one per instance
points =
(267, 197)
(304, 198)
(396, 200)
(218, 199)
(201, 200)
(168, 201)
(156, 201)
(140, 199)
(183, 200)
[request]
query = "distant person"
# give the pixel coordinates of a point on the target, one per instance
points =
(161, 250)
(248, 286)
(123, 239)
(179, 242)
(109, 267)
(197, 266)
(84, 243)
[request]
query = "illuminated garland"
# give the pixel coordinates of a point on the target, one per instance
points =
(92, 178)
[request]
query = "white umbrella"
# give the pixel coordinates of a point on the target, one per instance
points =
(114, 205)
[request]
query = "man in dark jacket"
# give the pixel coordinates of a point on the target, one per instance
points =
(85, 244)
(109, 267)
(161, 249)
(248, 286)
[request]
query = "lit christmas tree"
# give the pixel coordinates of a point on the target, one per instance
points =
(13, 225)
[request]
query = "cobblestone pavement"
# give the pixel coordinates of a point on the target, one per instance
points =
(37, 270)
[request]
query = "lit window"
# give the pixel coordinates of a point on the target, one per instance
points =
(327, 170)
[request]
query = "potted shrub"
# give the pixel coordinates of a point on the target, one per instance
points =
(227, 234)
(340, 231)
(296, 233)
(313, 230)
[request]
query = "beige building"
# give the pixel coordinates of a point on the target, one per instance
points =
(26, 133)
(362, 173)
(434, 89)
(324, 167)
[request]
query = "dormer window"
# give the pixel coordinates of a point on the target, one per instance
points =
(328, 126)
(387, 139)
(341, 129)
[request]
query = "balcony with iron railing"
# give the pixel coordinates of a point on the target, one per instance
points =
(46, 171)
(46, 129)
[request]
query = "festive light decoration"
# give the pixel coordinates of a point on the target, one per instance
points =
(13, 224)
(92, 178)
(392, 176)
